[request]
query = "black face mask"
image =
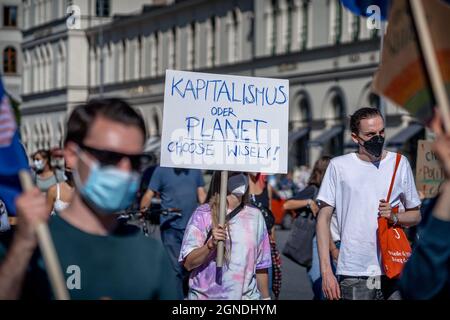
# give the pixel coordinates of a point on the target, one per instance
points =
(374, 145)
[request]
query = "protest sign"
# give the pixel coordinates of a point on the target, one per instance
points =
(429, 173)
(401, 76)
(225, 122)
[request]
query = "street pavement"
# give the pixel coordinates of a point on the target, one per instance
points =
(295, 283)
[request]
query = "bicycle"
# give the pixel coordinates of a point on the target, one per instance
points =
(144, 217)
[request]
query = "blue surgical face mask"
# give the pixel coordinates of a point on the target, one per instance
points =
(107, 189)
(39, 165)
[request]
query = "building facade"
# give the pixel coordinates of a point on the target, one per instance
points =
(56, 62)
(10, 39)
(328, 55)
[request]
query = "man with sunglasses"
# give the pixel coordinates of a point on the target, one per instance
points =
(100, 258)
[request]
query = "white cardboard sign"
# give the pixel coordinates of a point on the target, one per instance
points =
(225, 122)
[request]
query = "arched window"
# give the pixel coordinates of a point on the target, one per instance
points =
(300, 130)
(374, 100)
(368, 98)
(334, 114)
(9, 60)
(300, 114)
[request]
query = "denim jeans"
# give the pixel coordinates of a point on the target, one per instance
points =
(314, 272)
(172, 239)
(365, 288)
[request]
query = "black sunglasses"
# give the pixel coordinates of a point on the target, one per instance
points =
(112, 158)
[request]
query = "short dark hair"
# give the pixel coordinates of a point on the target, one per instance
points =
(360, 114)
(115, 109)
(44, 153)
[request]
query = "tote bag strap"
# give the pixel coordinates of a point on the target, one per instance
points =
(397, 163)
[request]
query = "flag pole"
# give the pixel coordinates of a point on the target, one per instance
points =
(222, 214)
(47, 248)
(383, 103)
(431, 62)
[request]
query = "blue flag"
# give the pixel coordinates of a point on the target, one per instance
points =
(359, 7)
(13, 157)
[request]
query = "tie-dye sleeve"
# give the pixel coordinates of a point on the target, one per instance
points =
(195, 233)
(264, 259)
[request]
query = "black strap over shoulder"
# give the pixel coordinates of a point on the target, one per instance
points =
(227, 218)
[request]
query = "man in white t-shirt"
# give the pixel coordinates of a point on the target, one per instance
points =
(355, 186)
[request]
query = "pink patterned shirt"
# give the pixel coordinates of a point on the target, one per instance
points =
(250, 251)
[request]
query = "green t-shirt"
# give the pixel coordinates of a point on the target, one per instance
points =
(123, 265)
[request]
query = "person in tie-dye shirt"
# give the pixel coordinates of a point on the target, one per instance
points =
(247, 249)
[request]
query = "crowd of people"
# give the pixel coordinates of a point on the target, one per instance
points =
(342, 198)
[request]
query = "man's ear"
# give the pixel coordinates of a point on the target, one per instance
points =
(355, 138)
(70, 155)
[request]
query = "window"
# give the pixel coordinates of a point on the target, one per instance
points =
(290, 12)
(139, 65)
(304, 25)
(102, 8)
(123, 60)
(191, 43)
(10, 16)
(155, 53)
(9, 60)
(275, 14)
(212, 42)
(337, 32)
(173, 49)
(236, 36)
(356, 23)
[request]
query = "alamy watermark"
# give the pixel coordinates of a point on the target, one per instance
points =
(373, 17)
(73, 21)
(74, 279)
